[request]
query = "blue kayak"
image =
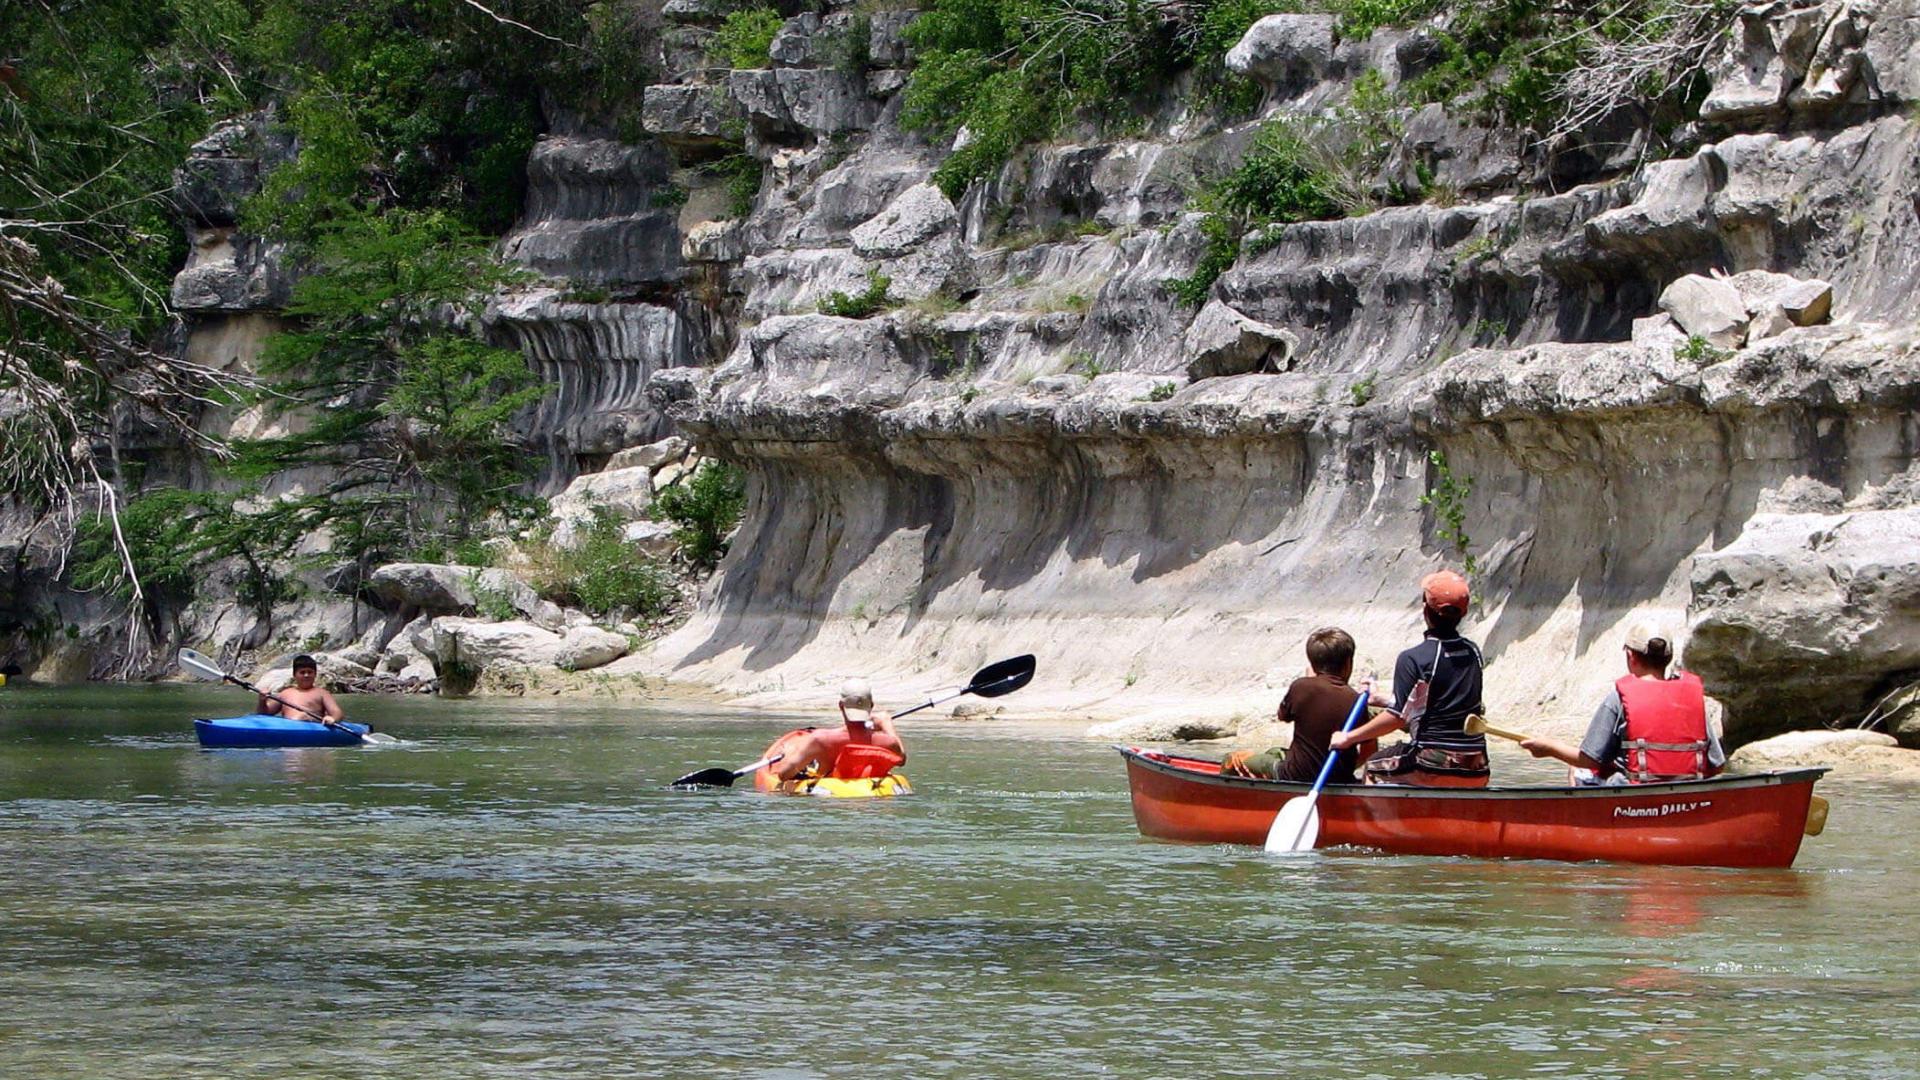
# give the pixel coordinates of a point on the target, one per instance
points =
(268, 731)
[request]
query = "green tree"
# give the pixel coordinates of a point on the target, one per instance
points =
(706, 507)
(407, 413)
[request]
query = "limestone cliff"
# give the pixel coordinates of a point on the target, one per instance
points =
(1681, 386)
(1049, 452)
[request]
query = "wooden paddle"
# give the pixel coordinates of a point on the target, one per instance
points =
(202, 666)
(1477, 725)
(994, 680)
(1296, 828)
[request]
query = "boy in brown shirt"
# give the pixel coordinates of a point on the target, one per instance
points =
(1316, 705)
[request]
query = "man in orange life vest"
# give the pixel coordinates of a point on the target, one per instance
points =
(842, 751)
(1649, 728)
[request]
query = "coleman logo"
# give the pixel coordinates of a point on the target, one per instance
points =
(1662, 810)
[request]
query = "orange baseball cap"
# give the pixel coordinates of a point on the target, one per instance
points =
(1445, 592)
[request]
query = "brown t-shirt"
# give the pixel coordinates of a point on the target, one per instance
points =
(1317, 706)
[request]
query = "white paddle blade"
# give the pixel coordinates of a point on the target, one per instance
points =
(374, 738)
(200, 665)
(1295, 828)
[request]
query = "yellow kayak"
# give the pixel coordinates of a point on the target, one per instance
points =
(830, 787)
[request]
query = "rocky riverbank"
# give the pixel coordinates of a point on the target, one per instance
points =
(1677, 378)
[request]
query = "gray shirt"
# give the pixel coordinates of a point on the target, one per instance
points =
(1609, 729)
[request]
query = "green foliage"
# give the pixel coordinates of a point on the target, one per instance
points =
(849, 49)
(1009, 71)
(98, 105)
(1361, 391)
(408, 415)
(1284, 178)
(1700, 351)
(1161, 391)
(1447, 498)
(706, 507)
(865, 304)
(173, 537)
(493, 602)
(1360, 18)
(742, 173)
(744, 39)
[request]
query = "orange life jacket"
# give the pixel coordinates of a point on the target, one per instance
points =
(860, 761)
(1666, 735)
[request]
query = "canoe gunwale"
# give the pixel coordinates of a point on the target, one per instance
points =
(1164, 763)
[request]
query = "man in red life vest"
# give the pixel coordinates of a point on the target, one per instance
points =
(1650, 727)
(865, 744)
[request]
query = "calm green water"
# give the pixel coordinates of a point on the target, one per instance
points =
(515, 895)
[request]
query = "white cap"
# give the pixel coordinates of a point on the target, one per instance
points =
(1646, 636)
(856, 694)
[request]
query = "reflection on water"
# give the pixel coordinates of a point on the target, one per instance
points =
(515, 894)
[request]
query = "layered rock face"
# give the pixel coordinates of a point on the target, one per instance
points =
(1043, 450)
(1684, 388)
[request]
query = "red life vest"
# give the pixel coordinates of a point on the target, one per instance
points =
(861, 761)
(1666, 728)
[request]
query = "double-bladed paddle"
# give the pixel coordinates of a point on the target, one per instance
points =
(202, 666)
(722, 777)
(1297, 826)
(993, 680)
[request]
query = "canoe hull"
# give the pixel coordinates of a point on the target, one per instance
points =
(268, 732)
(1730, 821)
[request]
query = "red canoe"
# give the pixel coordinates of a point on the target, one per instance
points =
(1754, 820)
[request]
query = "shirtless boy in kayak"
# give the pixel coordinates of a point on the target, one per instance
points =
(871, 727)
(311, 702)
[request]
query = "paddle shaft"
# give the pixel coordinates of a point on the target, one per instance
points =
(282, 702)
(1326, 767)
(957, 693)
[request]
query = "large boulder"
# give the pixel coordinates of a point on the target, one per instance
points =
(1709, 308)
(1223, 341)
(1805, 619)
(586, 647)
(1165, 725)
(476, 645)
(1848, 753)
(919, 213)
(436, 589)
(626, 493)
(1285, 50)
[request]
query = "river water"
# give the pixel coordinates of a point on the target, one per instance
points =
(513, 893)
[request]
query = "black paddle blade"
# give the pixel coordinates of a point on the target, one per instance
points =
(1002, 678)
(714, 777)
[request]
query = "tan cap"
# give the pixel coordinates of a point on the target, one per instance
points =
(1445, 592)
(856, 694)
(1646, 636)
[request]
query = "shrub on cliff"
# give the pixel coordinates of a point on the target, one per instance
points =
(864, 304)
(745, 38)
(706, 507)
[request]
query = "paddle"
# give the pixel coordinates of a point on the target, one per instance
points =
(1477, 725)
(993, 680)
(1297, 826)
(202, 666)
(721, 777)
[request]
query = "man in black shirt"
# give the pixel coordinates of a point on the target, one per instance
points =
(1436, 686)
